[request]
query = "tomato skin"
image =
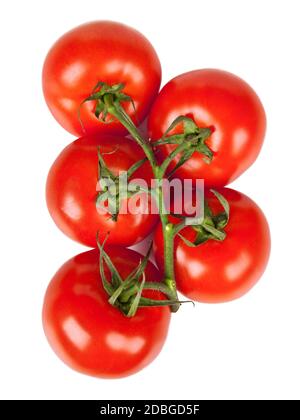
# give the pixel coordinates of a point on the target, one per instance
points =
(223, 102)
(89, 334)
(217, 272)
(103, 51)
(71, 192)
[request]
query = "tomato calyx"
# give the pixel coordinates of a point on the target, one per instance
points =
(127, 294)
(115, 188)
(193, 139)
(109, 102)
(212, 226)
(101, 91)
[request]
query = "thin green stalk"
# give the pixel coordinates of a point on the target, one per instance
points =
(168, 228)
(124, 119)
(171, 157)
(179, 227)
(160, 287)
(168, 235)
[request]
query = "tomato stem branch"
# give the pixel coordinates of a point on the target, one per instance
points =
(115, 109)
(118, 112)
(171, 157)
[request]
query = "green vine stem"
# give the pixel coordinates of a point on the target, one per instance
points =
(109, 102)
(171, 157)
(117, 111)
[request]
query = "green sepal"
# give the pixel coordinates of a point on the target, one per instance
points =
(132, 279)
(193, 139)
(113, 193)
(183, 159)
(114, 272)
(98, 95)
(135, 167)
(126, 295)
(211, 228)
(221, 220)
(136, 301)
(108, 287)
(137, 272)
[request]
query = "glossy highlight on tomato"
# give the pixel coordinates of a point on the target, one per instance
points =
(89, 334)
(100, 51)
(217, 272)
(72, 188)
(223, 102)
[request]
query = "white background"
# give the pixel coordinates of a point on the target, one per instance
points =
(249, 349)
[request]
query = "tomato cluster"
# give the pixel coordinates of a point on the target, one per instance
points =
(107, 311)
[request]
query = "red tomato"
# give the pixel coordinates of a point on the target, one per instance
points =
(216, 272)
(71, 192)
(95, 52)
(89, 334)
(223, 102)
